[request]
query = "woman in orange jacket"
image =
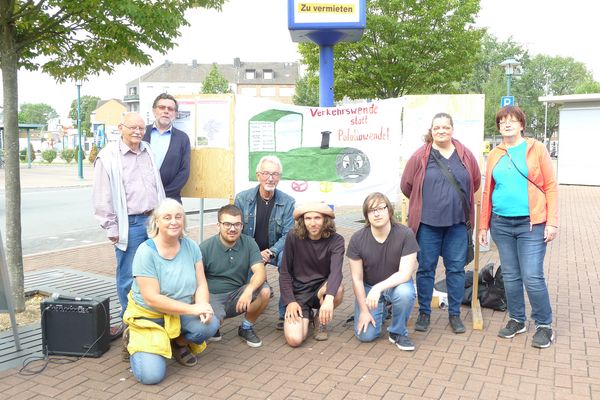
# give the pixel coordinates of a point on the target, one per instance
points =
(520, 208)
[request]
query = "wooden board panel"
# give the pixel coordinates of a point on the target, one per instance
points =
(211, 174)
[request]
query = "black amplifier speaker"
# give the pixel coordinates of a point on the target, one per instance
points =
(75, 326)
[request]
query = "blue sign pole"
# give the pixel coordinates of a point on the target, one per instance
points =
(326, 76)
(326, 23)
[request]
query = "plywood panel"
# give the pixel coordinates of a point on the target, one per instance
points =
(211, 174)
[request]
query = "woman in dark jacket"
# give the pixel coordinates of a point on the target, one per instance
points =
(436, 213)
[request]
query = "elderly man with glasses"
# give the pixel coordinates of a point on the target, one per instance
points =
(268, 214)
(127, 187)
(171, 146)
(236, 275)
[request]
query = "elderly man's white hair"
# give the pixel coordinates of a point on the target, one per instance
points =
(272, 159)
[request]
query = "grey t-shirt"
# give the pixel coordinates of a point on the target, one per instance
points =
(227, 268)
(177, 277)
(381, 260)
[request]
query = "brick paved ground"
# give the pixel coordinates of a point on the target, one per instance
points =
(475, 365)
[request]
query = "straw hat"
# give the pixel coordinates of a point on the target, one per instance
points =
(313, 207)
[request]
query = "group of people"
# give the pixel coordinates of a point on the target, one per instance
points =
(175, 295)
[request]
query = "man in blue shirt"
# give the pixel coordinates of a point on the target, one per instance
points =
(268, 214)
(170, 146)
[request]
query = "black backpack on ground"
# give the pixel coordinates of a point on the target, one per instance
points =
(491, 292)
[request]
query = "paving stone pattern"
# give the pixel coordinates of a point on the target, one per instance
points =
(474, 365)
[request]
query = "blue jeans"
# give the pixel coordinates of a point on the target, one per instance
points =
(522, 249)
(402, 298)
(449, 242)
(150, 368)
(136, 235)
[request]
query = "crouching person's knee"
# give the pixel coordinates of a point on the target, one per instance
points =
(148, 369)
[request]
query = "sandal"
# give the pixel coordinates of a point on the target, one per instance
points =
(183, 355)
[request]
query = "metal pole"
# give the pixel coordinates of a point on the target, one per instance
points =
(546, 124)
(201, 230)
(28, 148)
(326, 76)
(80, 155)
(508, 76)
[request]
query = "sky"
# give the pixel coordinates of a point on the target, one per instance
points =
(257, 31)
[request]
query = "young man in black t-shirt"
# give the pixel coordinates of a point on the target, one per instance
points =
(383, 259)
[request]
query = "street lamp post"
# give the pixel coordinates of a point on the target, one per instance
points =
(80, 152)
(509, 65)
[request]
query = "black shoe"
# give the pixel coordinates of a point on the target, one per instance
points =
(279, 325)
(544, 336)
(456, 324)
(512, 328)
(422, 323)
(402, 342)
(249, 336)
(216, 337)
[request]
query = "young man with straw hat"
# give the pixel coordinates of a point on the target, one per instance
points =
(311, 272)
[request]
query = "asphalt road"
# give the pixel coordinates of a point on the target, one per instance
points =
(60, 218)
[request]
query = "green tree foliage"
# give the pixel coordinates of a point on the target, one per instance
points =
(215, 82)
(588, 87)
(488, 77)
(70, 40)
(68, 155)
(76, 151)
(487, 62)
(49, 155)
(408, 47)
(88, 104)
(307, 91)
(36, 113)
(543, 75)
(23, 154)
(93, 153)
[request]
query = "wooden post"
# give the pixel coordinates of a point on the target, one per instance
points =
(475, 306)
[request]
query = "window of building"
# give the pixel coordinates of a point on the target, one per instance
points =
(250, 74)
(268, 73)
(268, 92)
(249, 91)
(286, 91)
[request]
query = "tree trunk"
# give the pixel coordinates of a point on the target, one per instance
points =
(12, 184)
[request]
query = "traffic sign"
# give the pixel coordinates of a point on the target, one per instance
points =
(507, 101)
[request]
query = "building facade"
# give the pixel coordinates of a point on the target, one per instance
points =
(271, 80)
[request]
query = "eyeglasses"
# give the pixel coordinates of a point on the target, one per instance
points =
(229, 225)
(267, 174)
(378, 210)
(134, 128)
(509, 121)
(163, 108)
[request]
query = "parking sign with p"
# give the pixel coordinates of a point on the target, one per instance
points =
(507, 101)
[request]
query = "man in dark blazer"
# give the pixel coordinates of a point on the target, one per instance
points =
(170, 146)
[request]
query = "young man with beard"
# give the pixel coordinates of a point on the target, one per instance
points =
(228, 257)
(383, 259)
(170, 146)
(311, 272)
